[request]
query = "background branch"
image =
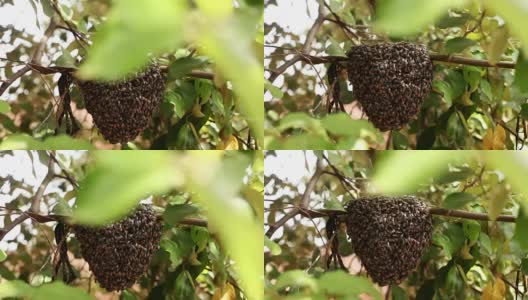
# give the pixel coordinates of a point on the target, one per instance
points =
(35, 58)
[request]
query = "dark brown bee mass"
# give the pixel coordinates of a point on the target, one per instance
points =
(390, 81)
(121, 110)
(389, 235)
(120, 253)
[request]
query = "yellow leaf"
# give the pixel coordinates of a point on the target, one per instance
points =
(231, 143)
(225, 293)
(494, 139)
(494, 291)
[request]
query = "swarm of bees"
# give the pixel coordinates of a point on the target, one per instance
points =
(389, 235)
(390, 81)
(118, 254)
(121, 110)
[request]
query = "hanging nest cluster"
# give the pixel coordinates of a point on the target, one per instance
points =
(390, 81)
(120, 253)
(121, 110)
(389, 235)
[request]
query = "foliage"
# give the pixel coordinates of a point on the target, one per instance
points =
(213, 76)
(468, 258)
(200, 255)
(470, 107)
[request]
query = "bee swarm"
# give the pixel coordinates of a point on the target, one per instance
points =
(389, 235)
(390, 81)
(118, 254)
(121, 110)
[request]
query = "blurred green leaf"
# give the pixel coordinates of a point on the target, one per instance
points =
(521, 73)
(3, 255)
(349, 286)
(398, 293)
(230, 46)
(342, 124)
(402, 17)
(60, 142)
(217, 184)
(296, 278)
(120, 180)
(392, 174)
(52, 291)
(4, 107)
(515, 13)
(458, 44)
(521, 229)
(457, 200)
(452, 21)
(134, 29)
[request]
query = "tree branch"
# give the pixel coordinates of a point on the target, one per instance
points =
(322, 213)
(310, 36)
(434, 57)
(35, 58)
(304, 200)
(35, 204)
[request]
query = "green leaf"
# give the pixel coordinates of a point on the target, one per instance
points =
(452, 21)
(296, 278)
(399, 141)
(485, 87)
(471, 230)
(446, 90)
(275, 248)
(398, 293)
(524, 111)
(458, 44)
(521, 229)
(485, 243)
(172, 248)
(184, 288)
(183, 66)
(458, 200)
(347, 285)
(524, 265)
(119, 181)
(521, 73)
(200, 237)
(52, 291)
(275, 91)
(134, 29)
(4, 107)
(392, 174)
(3, 255)
(402, 17)
(175, 213)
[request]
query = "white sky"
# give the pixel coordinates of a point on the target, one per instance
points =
(295, 16)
